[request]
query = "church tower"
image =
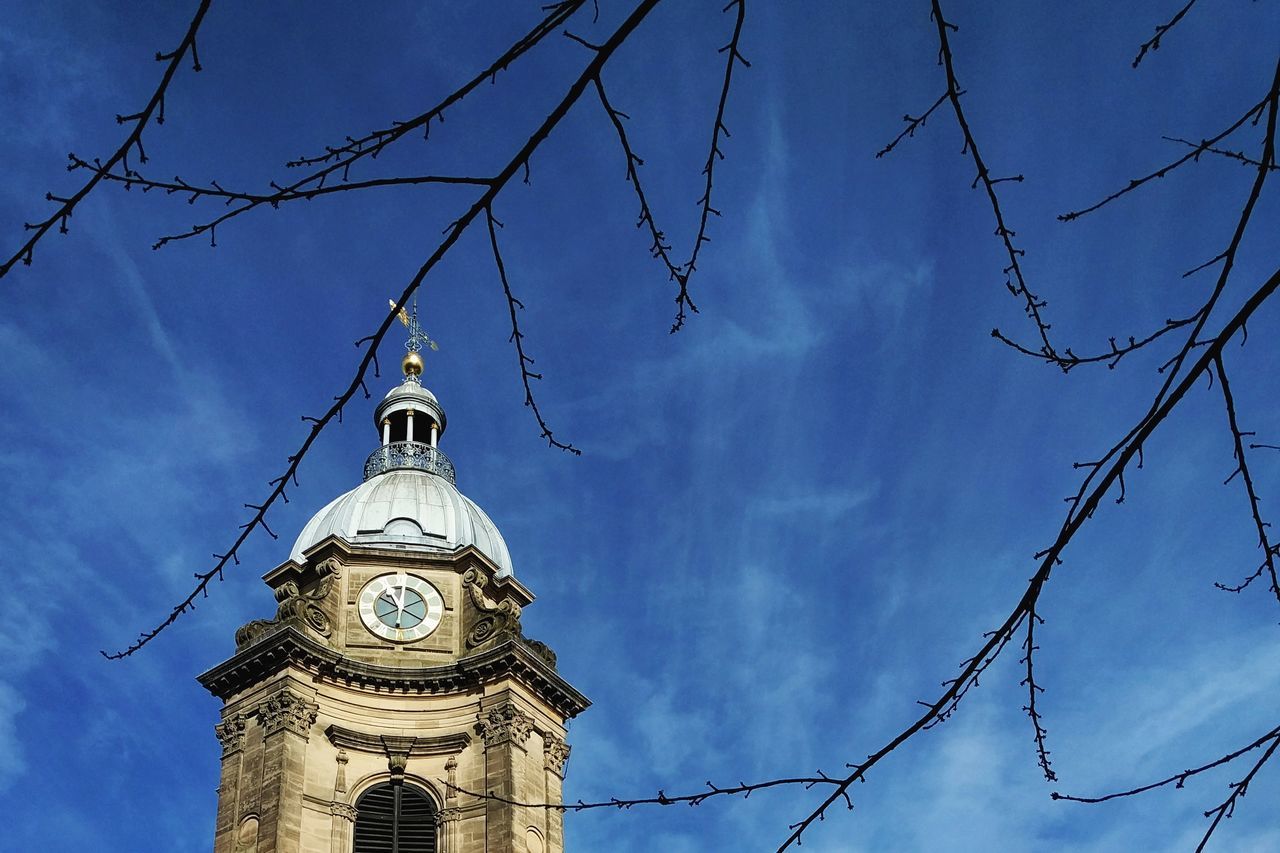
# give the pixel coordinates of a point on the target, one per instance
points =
(394, 677)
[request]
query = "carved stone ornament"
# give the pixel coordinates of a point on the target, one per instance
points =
(287, 711)
(556, 753)
(505, 724)
(231, 733)
(340, 777)
(296, 607)
(343, 810)
(448, 815)
(397, 762)
(542, 650)
(495, 623)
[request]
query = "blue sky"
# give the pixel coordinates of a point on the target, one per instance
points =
(790, 521)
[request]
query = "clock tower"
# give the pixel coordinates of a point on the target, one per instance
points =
(394, 679)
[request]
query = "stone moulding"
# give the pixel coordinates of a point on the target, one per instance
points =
(345, 738)
(288, 646)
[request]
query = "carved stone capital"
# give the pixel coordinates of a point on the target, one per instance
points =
(289, 712)
(448, 816)
(505, 724)
(231, 733)
(343, 810)
(555, 754)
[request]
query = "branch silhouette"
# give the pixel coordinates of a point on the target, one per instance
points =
(1153, 43)
(1196, 353)
(452, 234)
(140, 120)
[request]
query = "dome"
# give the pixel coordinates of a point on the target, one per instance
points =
(411, 509)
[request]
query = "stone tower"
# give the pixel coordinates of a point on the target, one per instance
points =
(394, 677)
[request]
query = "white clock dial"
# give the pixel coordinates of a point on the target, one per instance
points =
(400, 607)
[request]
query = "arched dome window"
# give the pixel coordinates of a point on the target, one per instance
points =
(395, 819)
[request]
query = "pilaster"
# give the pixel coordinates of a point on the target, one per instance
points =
(555, 754)
(505, 729)
(286, 719)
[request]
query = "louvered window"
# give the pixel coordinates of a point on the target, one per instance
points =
(395, 819)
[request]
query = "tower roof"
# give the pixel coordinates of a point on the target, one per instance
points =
(412, 509)
(409, 498)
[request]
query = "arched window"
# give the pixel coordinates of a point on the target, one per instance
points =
(395, 819)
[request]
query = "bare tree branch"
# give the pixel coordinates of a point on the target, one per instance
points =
(1178, 780)
(914, 123)
(1014, 279)
(517, 338)
(732, 58)
(1252, 114)
(660, 799)
(660, 248)
(1153, 43)
(1221, 152)
(140, 120)
(1242, 468)
(338, 160)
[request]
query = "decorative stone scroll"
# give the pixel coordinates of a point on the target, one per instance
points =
(542, 650)
(296, 607)
(555, 752)
(231, 733)
(287, 711)
(495, 623)
(504, 724)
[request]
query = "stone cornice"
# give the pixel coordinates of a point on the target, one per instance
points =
(287, 646)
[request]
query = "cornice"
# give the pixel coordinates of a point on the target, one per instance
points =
(455, 559)
(287, 646)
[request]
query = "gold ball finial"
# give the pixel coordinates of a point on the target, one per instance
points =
(412, 364)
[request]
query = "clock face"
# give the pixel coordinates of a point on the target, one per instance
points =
(400, 607)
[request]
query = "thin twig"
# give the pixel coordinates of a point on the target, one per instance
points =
(517, 339)
(660, 799)
(914, 123)
(67, 205)
(1153, 43)
(1178, 780)
(1204, 145)
(1014, 280)
(1242, 468)
(338, 160)
(733, 57)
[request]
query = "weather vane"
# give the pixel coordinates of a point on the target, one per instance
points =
(412, 362)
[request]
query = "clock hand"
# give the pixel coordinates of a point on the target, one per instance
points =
(400, 607)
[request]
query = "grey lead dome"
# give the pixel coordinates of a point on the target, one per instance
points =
(411, 509)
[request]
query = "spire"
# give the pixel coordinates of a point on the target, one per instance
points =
(412, 364)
